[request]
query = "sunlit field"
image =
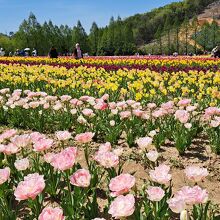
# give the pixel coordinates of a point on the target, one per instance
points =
(110, 138)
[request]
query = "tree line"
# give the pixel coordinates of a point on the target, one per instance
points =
(114, 39)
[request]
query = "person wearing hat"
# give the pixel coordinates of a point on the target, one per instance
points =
(216, 52)
(78, 54)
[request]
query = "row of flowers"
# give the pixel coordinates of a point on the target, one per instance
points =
(36, 182)
(154, 63)
(178, 121)
(141, 85)
(182, 61)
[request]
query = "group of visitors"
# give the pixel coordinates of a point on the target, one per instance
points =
(24, 52)
(77, 52)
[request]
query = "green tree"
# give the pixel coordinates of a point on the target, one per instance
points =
(79, 36)
(167, 31)
(195, 26)
(204, 36)
(214, 33)
(94, 38)
(129, 47)
(158, 36)
(177, 32)
(186, 33)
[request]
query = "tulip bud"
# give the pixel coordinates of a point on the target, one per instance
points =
(184, 215)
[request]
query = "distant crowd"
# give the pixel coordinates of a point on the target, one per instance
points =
(53, 53)
(78, 53)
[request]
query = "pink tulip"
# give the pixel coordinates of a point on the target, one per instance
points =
(184, 215)
(184, 102)
(196, 174)
(177, 204)
(118, 151)
(58, 106)
(73, 111)
(32, 186)
(65, 159)
(112, 105)
(125, 114)
(138, 112)
(144, 142)
(46, 106)
(84, 137)
(63, 135)
(188, 125)
(101, 105)
(88, 112)
(84, 98)
(122, 105)
(81, 120)
(161, 174)
(105, 96)
(22, 164)
(152, 155)
(182, 116)
(107, 159)
(191, 108)
(212, 111)
(152, 133)
(9, 149)
(21, 140)
(151, 105)
(194, 195)
(159, 113)
(5, 90)
(121, 184)
(34, 105)
(81, 178)
(122, 206)
(136, 105)
(214, 123)
(65, 98)
(145, 116)
(155, 193)
(48, 157)
(114, 111)
(105, 147)
(7, 134)
(36, 136)
(50, 213)
(4, 175)
(2, 148)
(167, 105)
(43, 144)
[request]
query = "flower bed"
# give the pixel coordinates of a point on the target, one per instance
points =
(40, 173)
(120, 138)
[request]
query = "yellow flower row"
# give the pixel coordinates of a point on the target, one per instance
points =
(121, 61)
(137, 84)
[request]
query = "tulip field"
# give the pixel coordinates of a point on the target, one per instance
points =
(104, 138)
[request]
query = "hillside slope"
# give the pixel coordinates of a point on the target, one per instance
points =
(209, 15)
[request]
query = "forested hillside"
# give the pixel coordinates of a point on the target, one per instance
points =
(120, 37)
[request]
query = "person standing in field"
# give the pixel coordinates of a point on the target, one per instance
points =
(78, 54)
(53, 52)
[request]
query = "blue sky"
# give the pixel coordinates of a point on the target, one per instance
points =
(13, 12)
